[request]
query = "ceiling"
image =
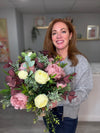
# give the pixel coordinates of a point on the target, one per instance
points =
(52, 6)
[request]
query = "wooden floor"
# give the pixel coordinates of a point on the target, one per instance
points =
(16, 121)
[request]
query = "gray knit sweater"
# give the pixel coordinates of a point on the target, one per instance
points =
(81, 84)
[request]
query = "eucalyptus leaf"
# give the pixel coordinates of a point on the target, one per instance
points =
(30, 73)
(31, 63)
(27, 59)
(25, 65)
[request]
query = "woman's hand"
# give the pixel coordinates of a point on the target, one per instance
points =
(53, 104)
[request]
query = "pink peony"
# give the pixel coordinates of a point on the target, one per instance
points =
(19, 101)
(53, 69)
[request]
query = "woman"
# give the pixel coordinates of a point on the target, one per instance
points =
(60, 40)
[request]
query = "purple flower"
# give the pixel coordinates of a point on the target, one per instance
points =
(8, 64)
(44, 52)
(11, 72)
(13, 91)
(39, 64)
(8, 78)
(66, 79)
(12, 83)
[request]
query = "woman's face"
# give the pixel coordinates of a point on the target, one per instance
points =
(60, 36)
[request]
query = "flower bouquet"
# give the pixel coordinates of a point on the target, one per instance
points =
(36, 82)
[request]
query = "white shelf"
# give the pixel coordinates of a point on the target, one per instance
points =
(42, 27)
(85, 39)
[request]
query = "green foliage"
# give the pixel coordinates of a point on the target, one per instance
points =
(62, 90)
(15, 66)
(5, 91)
(51, 120)
(43, 59)
(54, 96)
(62, 64)
(5, 101)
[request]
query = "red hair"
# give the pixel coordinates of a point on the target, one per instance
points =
(72, 49)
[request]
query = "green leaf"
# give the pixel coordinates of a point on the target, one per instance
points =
(63, 64)
(30, 73)
(33, 55)
(52, 76)
(5, 92)
(5, 84)
(5, 72)
(23, 54)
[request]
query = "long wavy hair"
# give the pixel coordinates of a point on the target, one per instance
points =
(72, 49)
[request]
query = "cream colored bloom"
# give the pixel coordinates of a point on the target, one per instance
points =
(41, 101)
(41, 77)
(22, 74)
(29, 53)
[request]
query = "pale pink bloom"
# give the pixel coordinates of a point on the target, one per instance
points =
(25, 68)
(19, 101)
(51, 59)
(53, 69)
(60, 84)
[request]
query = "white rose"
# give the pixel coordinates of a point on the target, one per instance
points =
(22, 74)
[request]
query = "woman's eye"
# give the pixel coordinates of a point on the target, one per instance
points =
(64, 31)
(54, 33)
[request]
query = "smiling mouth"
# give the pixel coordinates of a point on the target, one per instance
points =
(59, 41)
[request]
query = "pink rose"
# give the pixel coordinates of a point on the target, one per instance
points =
(27, 68)
(51, 59)
(22, 67)
(53, 69)
(61, 84)
(19, 101)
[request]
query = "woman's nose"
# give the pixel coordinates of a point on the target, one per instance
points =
(59, 35)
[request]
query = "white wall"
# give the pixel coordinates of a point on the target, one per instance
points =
(9, 14)
(20, 31)
(15, 31)
(90, 109)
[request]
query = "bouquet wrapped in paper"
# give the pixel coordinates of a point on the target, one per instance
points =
(35, 82)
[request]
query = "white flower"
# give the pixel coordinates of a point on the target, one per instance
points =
(22, 74)
(41, 101)
(41, 77)
(29, 53)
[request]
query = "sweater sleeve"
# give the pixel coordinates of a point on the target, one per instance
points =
(82, 83)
